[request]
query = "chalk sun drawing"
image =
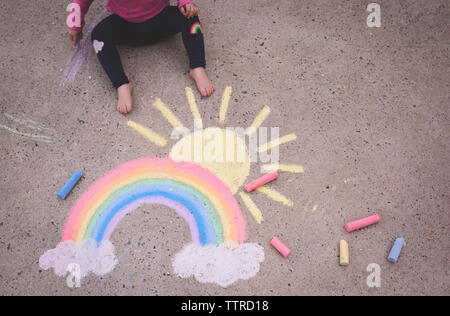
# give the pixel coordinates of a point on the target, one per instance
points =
(202, 193)
(234, 173)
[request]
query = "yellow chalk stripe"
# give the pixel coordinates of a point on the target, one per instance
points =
(262, 116)
(148, 133)
(254, 210)
(277, 142)
(168, 114)
(225, 103)
(275, 195)
(285, 168)
(194, 108)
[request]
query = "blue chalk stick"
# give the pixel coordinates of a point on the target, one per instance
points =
(67, 188)
(395, 252)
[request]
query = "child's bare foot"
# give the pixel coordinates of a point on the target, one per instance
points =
(125, 103)
(204, 85)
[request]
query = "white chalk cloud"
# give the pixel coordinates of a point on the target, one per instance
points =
(89, 256)
(222, 265)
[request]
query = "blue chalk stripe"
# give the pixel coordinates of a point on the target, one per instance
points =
(205, 226)
(67, 188)
(395, 252)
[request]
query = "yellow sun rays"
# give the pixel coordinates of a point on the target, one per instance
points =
(225, 103)
(168, 114)
(176, 123)
(284, 168)
(194, 108)
(152, 136)
(275, 195)
(277, 142)
(262, 116)
(251, 206)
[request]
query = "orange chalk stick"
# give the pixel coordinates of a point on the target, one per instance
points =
(261, 181)
(285, 251)
(362, 223)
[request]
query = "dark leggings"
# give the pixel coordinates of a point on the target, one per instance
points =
(114, 30)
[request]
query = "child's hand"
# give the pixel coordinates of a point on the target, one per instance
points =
(189, 10)
(75, 36)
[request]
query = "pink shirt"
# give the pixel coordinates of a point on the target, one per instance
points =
(134, 11)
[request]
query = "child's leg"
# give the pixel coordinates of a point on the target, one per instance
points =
(105, 36)
(172, 21)
(112, 31)
(169, 22)
(193, 40)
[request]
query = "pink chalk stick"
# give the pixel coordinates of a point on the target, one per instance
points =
(362, 223)
(261, 181)
(285, 251)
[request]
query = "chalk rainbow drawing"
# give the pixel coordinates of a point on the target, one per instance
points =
(217, 226)
(197, 195)
(196, 28)
(200, 192)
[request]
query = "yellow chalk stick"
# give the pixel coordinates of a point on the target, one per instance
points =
(344, 260)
